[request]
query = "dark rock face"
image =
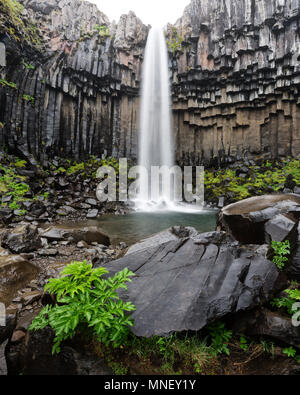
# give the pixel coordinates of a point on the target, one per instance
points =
(186, 283)
(84, 82)
(263, 219)
(235, 82)
(36, 358)
(22, 239)
(266, 323)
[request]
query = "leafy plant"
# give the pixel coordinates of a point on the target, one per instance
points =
(3, 82)
(243, 343)
(28, 66)
(220, 338)
(287, 302)
(87, 303)
(290, 352)
(28, 98)
(281, 250)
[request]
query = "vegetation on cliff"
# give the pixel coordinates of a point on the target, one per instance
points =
(15, 25)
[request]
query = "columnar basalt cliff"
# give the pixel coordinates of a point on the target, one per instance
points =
(75, 92)
(236, 79)
(78, 94)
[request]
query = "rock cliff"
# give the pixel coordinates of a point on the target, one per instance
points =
(77, 92)
(236, 79)
(75, 88)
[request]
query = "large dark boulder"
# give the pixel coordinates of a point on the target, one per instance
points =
(189, 282)
(262, 219)
(35, 358)
(263, 322)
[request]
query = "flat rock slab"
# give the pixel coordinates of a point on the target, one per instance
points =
(89, 234)
(187, 283)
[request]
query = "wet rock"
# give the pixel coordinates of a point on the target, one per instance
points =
(262, 322)
(37, 209)
(185, 284)
(15, 273)
(92, 202)
(88, 234)
(36, 358)
(261, 219)
(17, 336)
(31, 297)
(48, 252)
(82, 244)
(22, 239)
(172, 234)
(92, 214)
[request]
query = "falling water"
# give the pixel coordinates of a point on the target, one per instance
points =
(156, 145)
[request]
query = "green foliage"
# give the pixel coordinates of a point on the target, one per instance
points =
(192, 351)
(11, 184)
(8, 84)
(290, 352)
(293, 296)
(28, 66)
(220, 338)
(243, 343)
(15, 25)
(87, 303)
(28, 98)
(261, 180)
(281, 251)
(103, 30)
(175, 42)
(268, 347)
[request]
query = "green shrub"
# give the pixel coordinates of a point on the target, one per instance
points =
(220, 338)
(281, 251)
(287, 302)
(87, 303)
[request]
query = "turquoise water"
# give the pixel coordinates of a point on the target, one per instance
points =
(136, 226)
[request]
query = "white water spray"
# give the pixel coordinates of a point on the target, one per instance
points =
(155, 145)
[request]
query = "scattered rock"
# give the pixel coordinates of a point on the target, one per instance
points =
(15, 273)
(22, 239)
(49, 252)
(92, 214)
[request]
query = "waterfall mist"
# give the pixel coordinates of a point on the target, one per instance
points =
(156, 144)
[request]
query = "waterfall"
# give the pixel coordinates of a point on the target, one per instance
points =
(155, 144)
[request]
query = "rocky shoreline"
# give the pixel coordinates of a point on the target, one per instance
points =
(36, 244)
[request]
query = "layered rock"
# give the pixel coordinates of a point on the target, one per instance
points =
(235, 79)
(234, 69)
(77, 95)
